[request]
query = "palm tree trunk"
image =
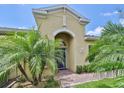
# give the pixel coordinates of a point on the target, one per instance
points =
(23, 72)
(35, 80)
(24, 65)
(40, 75)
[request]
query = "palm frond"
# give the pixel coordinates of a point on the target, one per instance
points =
(52, 64)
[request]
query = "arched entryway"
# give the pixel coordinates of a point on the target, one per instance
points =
(66, 47)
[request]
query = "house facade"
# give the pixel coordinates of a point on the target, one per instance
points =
(62, 22)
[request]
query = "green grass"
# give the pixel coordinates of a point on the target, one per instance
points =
(105, 83)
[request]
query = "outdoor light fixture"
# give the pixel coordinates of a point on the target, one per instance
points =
(81, 50)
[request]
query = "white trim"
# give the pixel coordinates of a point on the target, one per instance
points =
(63, 30)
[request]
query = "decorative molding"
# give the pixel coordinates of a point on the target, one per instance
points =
(64, 21)
(65, 30)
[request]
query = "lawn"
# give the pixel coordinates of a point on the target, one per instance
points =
(105, 83)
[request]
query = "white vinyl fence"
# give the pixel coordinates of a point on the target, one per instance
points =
(108, 74)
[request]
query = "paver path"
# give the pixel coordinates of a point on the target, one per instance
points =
(68, 78)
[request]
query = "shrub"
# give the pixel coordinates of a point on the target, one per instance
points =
(100, 67)
(51, 83)
(21, 79)
(108, 66)
(4, 80)
(79, 69)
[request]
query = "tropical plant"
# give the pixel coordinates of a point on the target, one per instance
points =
(102, 66)
(110, 46)
(30, 48)
(107, 53)
(79, 69)
(51, 83)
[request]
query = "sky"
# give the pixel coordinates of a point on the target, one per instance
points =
(20, 15)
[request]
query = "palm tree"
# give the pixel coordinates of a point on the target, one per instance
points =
(110, 46)
(28, 48)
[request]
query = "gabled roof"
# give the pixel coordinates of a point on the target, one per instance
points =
(4, 30)
(8, 29)
(91, 37)
(60, 6)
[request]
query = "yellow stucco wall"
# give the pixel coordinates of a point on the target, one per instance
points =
(78, 48)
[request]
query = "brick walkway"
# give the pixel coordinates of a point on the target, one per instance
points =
(68, 78)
